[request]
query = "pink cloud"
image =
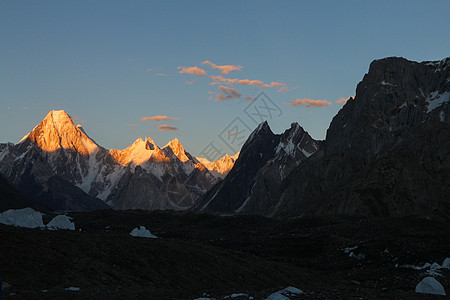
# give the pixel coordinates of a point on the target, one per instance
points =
(220, 79)
(227, 93)
(249, 82)
(342, 101)
(309, 103)
(248, 99)
(131, 125)
(283, 89)
(162, 74)
(167, 128)
(192, 70)
(158, 118)
(223, 69)
(272, 84)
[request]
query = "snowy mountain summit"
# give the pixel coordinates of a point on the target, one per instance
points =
(57, 153)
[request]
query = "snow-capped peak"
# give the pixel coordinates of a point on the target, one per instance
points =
(57, 131)
(137, 153)
(220, 167)
(177, 149)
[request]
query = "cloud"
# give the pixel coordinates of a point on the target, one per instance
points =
(272, 84)
(162, 74)
(189, 81)
(149, 70)
(249, 82)
(192, 70)
(309, 103)
(342, 101)
(131, 125)
(249, 99)
(158, 118)
(283, 89)
(227, 93)
(167, 128)
(220, 79)
(223, 69)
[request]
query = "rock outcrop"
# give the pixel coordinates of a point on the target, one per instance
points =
(264, 161)
(387, 152)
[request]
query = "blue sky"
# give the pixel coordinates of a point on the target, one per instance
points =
(111, 63)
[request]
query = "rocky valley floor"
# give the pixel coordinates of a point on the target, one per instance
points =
(202, 255)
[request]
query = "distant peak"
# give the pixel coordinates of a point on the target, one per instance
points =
(175, 145)
(59, 115)
(57, 131)
(177, 149)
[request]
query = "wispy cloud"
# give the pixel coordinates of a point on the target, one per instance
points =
(272, 84)
(220, 79)
(166, 127)
(158, 118)
(192, 70)
(132, 125)
(162, 74)
(227, 93)
(149, 70)
(309, 103)
(342, 101)
(223, 69)
(189, 81)
(248, 99)
(249, 82)
(283, 89)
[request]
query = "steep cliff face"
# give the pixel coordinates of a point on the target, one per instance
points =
(264, 161)
(387, 152)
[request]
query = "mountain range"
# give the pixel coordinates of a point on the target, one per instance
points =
(59, 165)
(386, 154)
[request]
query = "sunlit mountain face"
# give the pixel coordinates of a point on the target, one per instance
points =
(142, 175)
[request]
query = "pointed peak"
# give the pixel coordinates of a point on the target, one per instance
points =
(175, 145)
(177, 149)
(59, 116)
(57, 131)
(262, 129)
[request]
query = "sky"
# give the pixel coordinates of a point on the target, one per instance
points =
(204, 72)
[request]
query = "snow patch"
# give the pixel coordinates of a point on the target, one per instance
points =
(26, 217)
(348, 249)
(429, 285)
(142, 232)
(284, 294)
(61, 222)
(73, 289)
(435, 100)
(235, 295)
(433, 269)
(385, 83)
